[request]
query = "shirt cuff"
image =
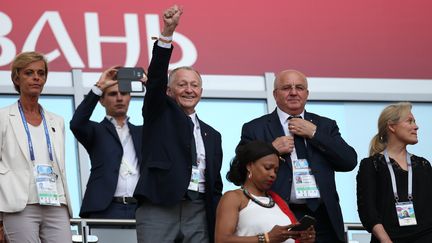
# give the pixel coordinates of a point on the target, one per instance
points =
(165, 41)
(96, 90)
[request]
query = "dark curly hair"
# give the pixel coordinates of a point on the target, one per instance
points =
(245, 154)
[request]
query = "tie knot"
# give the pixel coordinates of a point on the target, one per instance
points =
(291, 117)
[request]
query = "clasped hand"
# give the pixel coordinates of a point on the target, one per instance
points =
(301, 127)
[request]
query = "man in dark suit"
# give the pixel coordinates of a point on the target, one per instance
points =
(313, 150)
(180, 183)
(114, 147)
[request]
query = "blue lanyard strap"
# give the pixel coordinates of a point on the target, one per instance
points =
(393, 178)
(29, 140)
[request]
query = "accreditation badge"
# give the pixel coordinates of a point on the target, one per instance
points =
(46, 185)
(193, 184)
(405, 213)
(305, 185)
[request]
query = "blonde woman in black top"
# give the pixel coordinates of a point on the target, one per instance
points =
(393, 186)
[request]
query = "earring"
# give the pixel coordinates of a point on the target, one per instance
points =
(250, 174)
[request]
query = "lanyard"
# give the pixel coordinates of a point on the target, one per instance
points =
(29, 140)
(393, 179)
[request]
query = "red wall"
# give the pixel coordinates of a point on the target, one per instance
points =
(323, 38)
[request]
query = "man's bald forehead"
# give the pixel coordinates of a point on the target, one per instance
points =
(285, 73)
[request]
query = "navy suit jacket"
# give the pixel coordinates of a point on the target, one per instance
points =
(166, 151)
(105, 150)
(327, 152)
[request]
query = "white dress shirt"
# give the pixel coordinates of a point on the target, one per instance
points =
(283, 118)
(199, 143)
(129, 167)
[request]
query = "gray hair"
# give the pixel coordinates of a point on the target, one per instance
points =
(174, 71)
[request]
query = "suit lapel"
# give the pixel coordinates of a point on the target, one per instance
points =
(19, 131)
(111, 129)
(275, 129)
(205, 134)
(307, 116)
(134, 132)
(274, 126)
(309, 150)
(54, 131)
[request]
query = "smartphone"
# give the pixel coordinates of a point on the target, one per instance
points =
(305, 223)
(129, 79)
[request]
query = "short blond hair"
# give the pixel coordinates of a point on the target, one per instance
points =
(22, 60)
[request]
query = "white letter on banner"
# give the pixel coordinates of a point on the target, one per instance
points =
(60, 33)
(7, 47)
(94, 40)
(189, 52)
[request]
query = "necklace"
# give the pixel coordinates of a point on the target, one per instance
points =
(270, 204)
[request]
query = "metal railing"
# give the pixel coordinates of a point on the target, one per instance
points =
(350, 227)
(85, 225)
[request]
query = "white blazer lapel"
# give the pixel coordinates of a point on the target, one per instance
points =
(19, 131)
(54, 131)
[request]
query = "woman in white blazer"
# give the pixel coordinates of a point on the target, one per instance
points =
(34, 199)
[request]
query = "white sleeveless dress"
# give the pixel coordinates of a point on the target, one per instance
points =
(255, 219)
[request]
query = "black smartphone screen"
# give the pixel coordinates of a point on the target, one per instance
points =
(305, 223)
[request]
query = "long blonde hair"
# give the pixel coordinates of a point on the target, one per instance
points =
(390, 115)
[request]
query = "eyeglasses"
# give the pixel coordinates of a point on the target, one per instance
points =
(292, 87)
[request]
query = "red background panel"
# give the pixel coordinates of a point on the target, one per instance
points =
(331, 38)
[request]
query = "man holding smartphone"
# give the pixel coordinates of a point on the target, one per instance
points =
(114, 147)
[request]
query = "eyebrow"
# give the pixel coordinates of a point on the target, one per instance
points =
(29, 69)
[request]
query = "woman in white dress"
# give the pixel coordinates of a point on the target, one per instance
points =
(253, 213)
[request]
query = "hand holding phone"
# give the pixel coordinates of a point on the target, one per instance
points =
(305, 223)
(129, 79)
